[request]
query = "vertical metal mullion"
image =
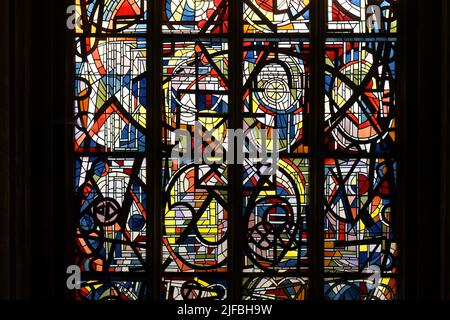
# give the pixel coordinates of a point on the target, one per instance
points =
(154, 155)
(318, 12)
(235, 186)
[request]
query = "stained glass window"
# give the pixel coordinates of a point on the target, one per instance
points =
(265, 16)
(314, 87)
(363, 16)
(271, 288)
(95, 290)
(193, 16)
(110, 144)
(360, 165)
(194, 288)
(365, 74)
(111, 16)
(196, 90)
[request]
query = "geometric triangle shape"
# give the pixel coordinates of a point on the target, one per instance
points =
(126, 10)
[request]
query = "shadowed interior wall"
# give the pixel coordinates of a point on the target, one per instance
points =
(4, 153)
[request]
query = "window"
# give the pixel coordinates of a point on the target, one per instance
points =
(158, 88)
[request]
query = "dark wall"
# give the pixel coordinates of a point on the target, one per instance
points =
(33, 150)
(423, 148)
(17, 166)
(48, 129)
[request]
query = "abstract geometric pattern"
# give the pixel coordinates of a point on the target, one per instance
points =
(276, 90)
(195, 87)
(283, 16)
(195, 81)
(196, 218)
(362, 16)
(111, 144)
(359, 234)
(111, 230)
(360, 290)
(111, 16)
(275, 210)
(194, 288)
(95, 290)
(195, 16)
(274, 288)
(276, 82)
(110, 95)
(360, 103)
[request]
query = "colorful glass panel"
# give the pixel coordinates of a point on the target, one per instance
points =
(111, 229)
(360, 103)
(275, 288)
(195, 86)
(114, 290)
(363, 16)
(194, 288)
(195, 16)
(275, 211)
(110, 95)
(359, 218)
(276, 90)
(111, 16)
(111, 149)
(360, 290)
(282, 16)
